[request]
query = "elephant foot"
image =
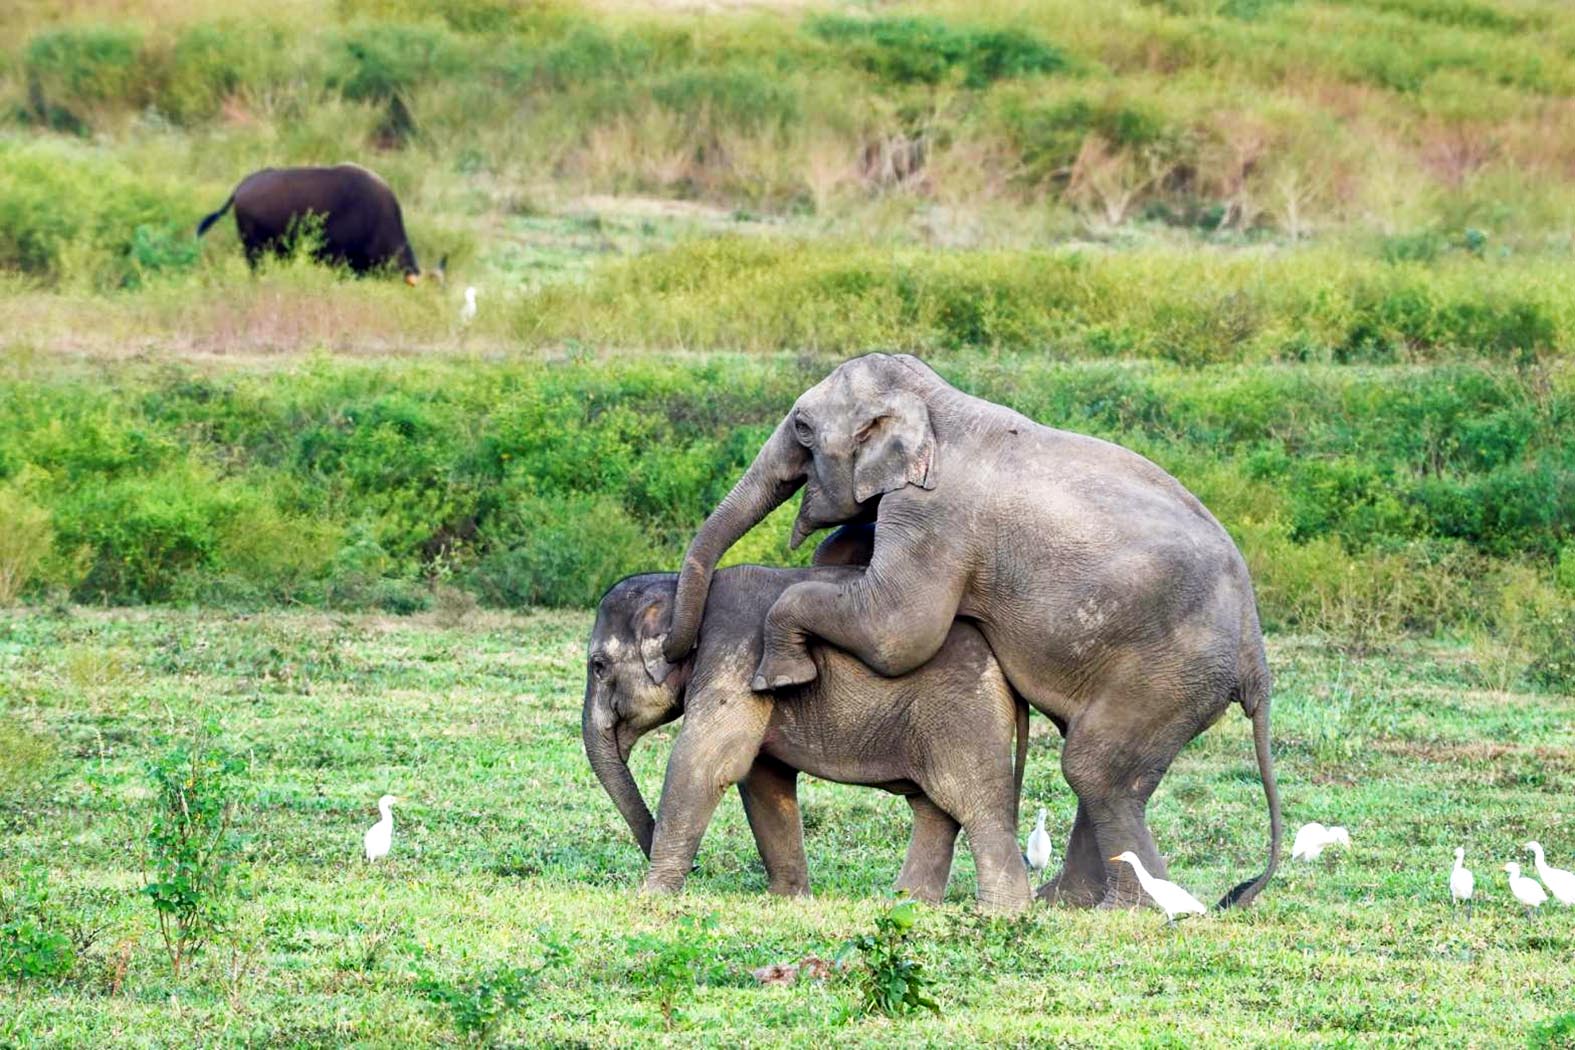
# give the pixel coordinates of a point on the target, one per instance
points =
(1069, 889)
(778, 671)
(659, 889)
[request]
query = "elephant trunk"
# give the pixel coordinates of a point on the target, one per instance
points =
(611, 766)
(776, 474)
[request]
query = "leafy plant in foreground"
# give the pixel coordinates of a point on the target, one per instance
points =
(478, 1005)
(30, 948)
(672, 968)
(191, 846)
(891, 983)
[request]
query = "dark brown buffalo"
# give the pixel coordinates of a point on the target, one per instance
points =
(362, 227)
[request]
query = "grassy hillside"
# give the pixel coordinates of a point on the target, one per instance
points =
(506, 843)
(1408, 128)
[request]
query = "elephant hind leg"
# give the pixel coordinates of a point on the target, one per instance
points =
(1081, 880)
(1113, 780)
(770, 795)
(929, 863)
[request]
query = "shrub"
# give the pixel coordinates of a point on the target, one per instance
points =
(479, 1005)
(380, 61)
(191, 845)
(211, 62)
(669, 968)
(927, 50)
(145, 532)
(74, 69)
(28, 763)
(26, 539)
(63, 216)
(565, 551)
(32, 947)
(892, 983)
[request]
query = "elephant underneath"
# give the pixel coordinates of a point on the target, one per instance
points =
(943, 736)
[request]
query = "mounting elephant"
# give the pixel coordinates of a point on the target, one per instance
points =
(942, 736)
(1115, 603)
(362, 227)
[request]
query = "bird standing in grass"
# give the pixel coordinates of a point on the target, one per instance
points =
(1559, 882)
(1170, 897)
(467, 313)
(1312, 839)
(380, 836)
(1038, 853)
(1527, 891)
(1462, 884)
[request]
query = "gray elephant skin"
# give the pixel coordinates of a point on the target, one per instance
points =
(1115, 602)
(941, 735)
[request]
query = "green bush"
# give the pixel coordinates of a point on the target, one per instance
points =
(26, 539)
(1370, 499)
(64, 217)
(927, 50)
(72, 70)
(32, 947)
(380, 61)
(191, 846)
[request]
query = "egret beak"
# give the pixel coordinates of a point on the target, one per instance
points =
(1115, 860)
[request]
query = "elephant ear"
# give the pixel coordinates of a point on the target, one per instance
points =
(650, 628)
(900, 448)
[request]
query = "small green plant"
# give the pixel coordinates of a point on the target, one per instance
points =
(1557, 1033)
(891, 983)
(479, 1005)
(191, 846)
(31, 947)
(671, 968)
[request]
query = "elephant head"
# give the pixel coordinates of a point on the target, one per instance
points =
(863, 431)
(630, 688)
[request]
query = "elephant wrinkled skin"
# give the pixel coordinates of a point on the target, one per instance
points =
(942, 735)
(1115, 602)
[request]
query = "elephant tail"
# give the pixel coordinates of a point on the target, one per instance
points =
(1021, 759)
(1257, 707)
(202, 227)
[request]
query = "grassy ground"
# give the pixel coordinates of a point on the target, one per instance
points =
(506, 836)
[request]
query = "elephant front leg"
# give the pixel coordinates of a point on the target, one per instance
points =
(712, 752)
(770, 794)
(893, 622)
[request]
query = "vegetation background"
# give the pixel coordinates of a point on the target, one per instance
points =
(1315, 257)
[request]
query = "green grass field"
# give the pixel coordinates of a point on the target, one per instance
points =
(506, 837)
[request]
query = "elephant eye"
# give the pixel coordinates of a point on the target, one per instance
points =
(805, 432)
(600, 667)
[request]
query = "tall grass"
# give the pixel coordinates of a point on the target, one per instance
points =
(1236, 119)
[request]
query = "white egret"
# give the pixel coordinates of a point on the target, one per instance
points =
(1462, 884)
(1038, 854)
(1527, 891)
(467, 313)
(380, 836)
(1172, 898)
(1559, 882)
(1309, 841)
(1312, 839)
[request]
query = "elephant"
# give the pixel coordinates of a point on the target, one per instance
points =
(942, 736)
(363, 228)
(1114, 601)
